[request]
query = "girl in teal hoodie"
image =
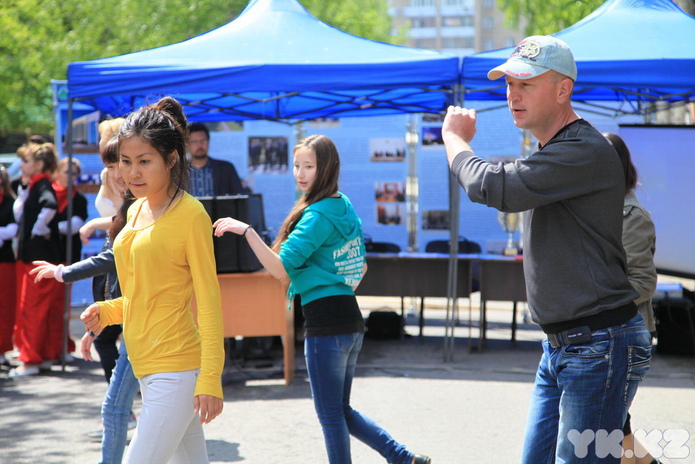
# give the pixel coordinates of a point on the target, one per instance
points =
(319, 252)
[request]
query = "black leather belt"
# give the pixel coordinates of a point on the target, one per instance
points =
(576, 336)
(602, 320)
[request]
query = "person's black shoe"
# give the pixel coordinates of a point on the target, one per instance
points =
(421, 459)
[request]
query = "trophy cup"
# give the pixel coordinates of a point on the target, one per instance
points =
(510, 223)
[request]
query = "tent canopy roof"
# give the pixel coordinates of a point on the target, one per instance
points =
(274, 49)
(625, 50)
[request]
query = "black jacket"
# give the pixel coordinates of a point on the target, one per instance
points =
(103, 268)
(225, 180)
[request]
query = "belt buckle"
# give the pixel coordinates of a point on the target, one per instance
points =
(554, 340)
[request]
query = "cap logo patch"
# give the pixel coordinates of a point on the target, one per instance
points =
(528, 49)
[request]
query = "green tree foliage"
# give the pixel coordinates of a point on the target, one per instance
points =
(364, 18)
(544, 17)
(41, 37)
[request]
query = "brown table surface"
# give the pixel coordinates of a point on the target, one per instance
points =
(254, 304)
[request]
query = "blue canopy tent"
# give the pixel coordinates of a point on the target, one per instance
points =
(275, 61)
(629, 51)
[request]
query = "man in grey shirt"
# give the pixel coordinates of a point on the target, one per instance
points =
(572, 190)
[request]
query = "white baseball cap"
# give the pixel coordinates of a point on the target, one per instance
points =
(536, 55)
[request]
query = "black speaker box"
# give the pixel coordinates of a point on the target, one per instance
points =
(674, 312)
(675, 324)
(232, 252)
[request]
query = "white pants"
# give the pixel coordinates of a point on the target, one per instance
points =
(168, 430)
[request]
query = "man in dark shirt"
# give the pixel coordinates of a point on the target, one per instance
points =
(572, 191)
(209, 177)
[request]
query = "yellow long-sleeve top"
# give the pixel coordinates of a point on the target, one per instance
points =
(159, 266)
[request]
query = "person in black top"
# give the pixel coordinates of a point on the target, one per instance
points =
(8, 280)
(209, 177)
(35, 211)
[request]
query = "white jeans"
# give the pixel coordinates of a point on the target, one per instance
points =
(168, 429)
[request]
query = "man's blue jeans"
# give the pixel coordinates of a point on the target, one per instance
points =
(582, 394)
(331, 364)
(115, 411)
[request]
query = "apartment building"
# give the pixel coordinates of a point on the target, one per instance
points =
(461, 27)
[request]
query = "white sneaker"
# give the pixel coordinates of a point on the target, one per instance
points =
(23, 371)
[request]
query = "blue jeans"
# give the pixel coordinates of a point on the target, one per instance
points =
(115, 411)
(582, 394)
(331, 364)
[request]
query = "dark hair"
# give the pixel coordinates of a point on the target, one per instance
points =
(163, 125)
(199, 127)
(37, 139)
(325, 182)
(109, 154)
(629, 169)
(6, 187)
(121, 217)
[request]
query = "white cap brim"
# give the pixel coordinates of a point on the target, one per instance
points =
(516, 69)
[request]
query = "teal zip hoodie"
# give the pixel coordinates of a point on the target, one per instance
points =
(324, 255)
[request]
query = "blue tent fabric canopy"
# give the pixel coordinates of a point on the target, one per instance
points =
(275, 49)
(626, 50)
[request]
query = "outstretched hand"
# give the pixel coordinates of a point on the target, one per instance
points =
(91, 317)
(208, 407)
(86, 231)
(43, 270)
(229, 224)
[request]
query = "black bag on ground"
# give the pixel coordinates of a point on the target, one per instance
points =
(384, 325)
(675, 324)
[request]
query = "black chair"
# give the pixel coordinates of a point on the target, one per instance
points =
(381, 247)
(466, 247)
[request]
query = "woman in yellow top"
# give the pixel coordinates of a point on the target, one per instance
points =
(163, 254)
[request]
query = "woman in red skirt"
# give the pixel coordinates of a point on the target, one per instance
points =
(8, 281)
(37, 302)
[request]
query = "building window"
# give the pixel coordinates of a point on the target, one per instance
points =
(423, 22)
(510, 42)
(489, 3)
(488, 22)
(488, 44)
(423, 2)
(453, 2)
(457, 21)
(458, 42)
(425, 43)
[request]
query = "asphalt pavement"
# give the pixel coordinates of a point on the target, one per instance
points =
(469, 410)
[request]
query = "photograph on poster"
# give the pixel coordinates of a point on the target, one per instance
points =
(432, 136)
(430, 117)
(268, 155)
(435, 219)
(324, 123)
(387, 149)
(389, 214)
(389, 192)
